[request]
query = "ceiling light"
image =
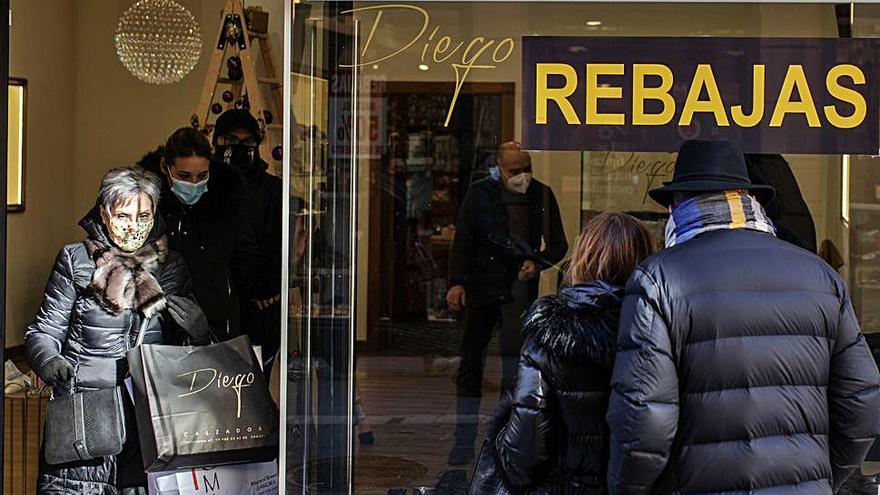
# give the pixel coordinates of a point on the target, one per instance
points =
(594, 23)
(423, 67)
(158, 41)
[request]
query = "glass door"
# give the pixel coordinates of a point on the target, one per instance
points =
(320, 171)
(398, 110)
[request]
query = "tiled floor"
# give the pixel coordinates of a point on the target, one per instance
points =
(410, 406)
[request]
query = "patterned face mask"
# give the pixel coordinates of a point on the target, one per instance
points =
(129, 236)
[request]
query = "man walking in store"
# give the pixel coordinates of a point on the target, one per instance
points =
(740, 366)
(508, 231)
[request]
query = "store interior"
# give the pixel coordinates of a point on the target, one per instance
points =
(85, 113)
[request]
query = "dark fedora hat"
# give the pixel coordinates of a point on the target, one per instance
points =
(705, 166)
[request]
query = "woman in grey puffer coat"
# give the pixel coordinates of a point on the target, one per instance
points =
(102, 292)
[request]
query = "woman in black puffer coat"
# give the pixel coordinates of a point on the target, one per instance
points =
(104, 291)
(551, 435)
(203, 204)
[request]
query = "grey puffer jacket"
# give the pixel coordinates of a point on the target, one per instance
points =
(72, 323)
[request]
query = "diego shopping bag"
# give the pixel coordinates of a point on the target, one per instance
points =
(202, 406)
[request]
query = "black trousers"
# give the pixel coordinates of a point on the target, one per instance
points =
(480, 321)
(264, 329)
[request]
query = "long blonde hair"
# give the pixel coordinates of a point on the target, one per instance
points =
(611, 246)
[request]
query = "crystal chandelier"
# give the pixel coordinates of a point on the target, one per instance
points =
(158, 41)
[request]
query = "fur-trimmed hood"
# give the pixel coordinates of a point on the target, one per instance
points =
(578, 323)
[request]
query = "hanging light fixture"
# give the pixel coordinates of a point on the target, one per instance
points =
(158, 41)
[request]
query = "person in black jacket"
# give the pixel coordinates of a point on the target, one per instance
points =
(551, 434)
(122, 280)
(788, 209)
(204, 209)
(237, 137)
(740, 365)
(496, 258)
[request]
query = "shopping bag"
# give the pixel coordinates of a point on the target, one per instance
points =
(202, 406)
(238, 479)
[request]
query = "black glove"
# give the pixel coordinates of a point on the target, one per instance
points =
(189, 315)
(56, 371)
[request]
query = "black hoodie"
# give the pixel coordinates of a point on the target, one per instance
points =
(553, 436)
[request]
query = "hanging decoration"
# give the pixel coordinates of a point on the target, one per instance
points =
(278, 153)
(234, 70)
(158, 41)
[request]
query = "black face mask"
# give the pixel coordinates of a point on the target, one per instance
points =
(243, 157)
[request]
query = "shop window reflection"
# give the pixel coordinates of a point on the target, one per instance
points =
(416, 172)
(864, 240)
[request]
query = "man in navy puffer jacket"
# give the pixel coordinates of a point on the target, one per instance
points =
(741, 368)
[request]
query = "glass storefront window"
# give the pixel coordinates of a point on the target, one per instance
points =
(399, 108)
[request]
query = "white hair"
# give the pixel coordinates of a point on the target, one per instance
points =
(121, 185)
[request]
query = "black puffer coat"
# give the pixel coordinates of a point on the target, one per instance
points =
(556, 439)
(217, 242)
(72, 323)
(740, 370)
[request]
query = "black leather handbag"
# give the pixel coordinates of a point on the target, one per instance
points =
(87, 425)
(84, 425)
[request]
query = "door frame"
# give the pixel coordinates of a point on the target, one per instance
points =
(5, 21)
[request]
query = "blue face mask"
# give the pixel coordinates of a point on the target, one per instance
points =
(187, 192)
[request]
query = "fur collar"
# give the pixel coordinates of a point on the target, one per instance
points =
(578, 323)
(125, 280)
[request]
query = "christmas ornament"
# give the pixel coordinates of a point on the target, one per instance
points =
(228, 96)
(158, 41)
(216, 108)
(234, 70)
(243, 103)
(268, 117)
(278, 153)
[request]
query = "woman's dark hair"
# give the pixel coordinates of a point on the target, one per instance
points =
(184, 143)
(611, 246)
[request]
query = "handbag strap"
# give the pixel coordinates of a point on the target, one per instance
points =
(79, 428)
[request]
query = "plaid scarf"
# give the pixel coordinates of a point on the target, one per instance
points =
(724, 210)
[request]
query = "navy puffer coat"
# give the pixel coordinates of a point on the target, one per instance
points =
(741, 369)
